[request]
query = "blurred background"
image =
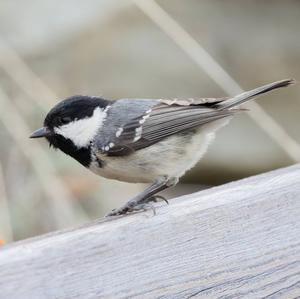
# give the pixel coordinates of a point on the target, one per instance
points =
(50, 50)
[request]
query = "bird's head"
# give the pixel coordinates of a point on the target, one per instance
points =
(73, 123)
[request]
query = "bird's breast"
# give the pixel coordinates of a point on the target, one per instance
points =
(171, 157)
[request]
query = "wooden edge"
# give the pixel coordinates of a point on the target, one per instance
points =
(239, 238)
(205, 199)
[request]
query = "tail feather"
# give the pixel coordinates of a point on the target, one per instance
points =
(248, 95)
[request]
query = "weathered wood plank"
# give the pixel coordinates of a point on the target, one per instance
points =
(240, 240)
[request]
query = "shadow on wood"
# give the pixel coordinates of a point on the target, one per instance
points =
(237, 240)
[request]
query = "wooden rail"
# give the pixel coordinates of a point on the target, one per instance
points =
(240, 240)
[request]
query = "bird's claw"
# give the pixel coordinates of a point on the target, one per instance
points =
(156, 198)
(128, 208)
(136, 206)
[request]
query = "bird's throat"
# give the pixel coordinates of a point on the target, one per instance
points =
(82, 154)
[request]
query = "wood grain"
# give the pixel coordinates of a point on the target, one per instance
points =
(240, 240)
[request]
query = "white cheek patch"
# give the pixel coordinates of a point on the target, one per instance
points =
(83, 131)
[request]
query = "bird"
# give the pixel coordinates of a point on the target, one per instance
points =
(153, 141)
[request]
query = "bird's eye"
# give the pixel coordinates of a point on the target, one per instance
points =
(65, 119)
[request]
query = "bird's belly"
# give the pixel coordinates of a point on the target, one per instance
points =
(171, 157)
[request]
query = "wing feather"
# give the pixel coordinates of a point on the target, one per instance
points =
(165, 118)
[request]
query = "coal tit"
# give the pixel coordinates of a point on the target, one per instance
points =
(140, 140)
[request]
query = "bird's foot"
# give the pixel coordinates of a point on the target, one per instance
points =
(157, 198)
(130, 207)
(138, 205)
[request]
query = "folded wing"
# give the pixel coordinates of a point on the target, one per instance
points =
(155, 120)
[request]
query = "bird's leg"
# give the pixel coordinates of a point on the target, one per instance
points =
(141, 201)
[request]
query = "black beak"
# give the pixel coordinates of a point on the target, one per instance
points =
(42, 132)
